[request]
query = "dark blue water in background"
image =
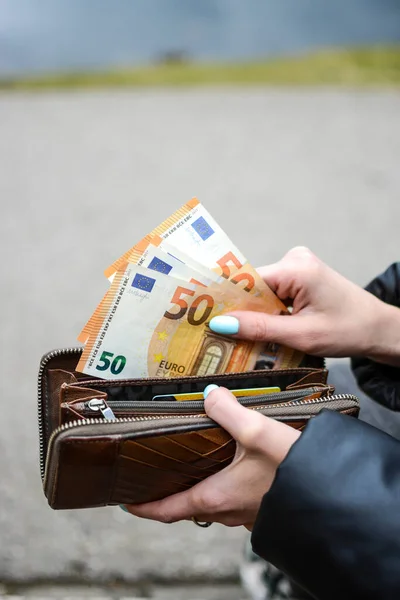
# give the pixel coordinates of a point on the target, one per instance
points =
(52, 35)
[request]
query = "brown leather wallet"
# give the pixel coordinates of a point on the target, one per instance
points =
(151, 449)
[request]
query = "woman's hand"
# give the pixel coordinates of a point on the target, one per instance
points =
(331, 315)
(232, 496)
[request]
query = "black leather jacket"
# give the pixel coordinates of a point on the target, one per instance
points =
(331, 520)
(381, 382)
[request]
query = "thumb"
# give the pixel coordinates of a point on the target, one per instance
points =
(251, 429)
(296, 331)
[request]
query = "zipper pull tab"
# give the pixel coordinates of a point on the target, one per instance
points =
(97, 404)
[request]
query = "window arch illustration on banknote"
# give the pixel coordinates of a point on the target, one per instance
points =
(214, 355)
(210, 360)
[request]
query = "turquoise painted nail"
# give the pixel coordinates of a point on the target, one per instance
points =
(224, 324)
(123, 508)
(209, 389)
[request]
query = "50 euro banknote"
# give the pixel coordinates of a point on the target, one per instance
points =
(153, 257)
(157, 255)
(153, 325)
(196, 235)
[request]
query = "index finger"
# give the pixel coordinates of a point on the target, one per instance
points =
(169, 510)
(269, 273)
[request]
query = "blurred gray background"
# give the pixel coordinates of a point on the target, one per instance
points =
(83, 175)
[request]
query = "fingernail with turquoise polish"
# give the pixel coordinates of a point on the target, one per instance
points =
(224, 324)
(123, 508)
(209, 389)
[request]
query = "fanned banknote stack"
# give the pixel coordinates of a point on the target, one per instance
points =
(153, 320)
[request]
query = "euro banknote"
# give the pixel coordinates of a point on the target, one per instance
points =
(195, 272)
(193, 231)
(154, 325)
(153, 256)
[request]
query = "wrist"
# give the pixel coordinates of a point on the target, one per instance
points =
(385, 333)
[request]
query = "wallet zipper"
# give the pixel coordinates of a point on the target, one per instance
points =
(94, 421)
(107, 408)
(45, 360)
(42, 367)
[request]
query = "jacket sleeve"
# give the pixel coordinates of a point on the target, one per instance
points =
(381, 382)
(331, 520)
